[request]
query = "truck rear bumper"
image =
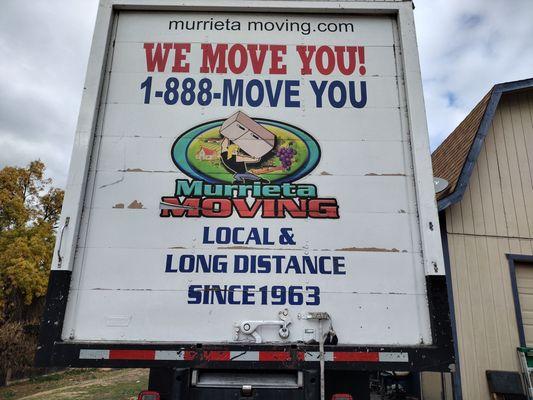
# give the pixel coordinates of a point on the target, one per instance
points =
(429, 358)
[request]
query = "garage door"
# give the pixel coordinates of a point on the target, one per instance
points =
(524, 283)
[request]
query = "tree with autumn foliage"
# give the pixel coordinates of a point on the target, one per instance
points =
(29, 212)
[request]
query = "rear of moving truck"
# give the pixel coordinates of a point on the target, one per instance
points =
(291, 260)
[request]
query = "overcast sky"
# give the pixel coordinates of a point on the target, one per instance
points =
(466, 46)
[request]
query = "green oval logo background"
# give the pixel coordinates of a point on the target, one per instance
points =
(197, 153)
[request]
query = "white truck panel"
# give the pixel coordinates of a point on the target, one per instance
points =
(127, 238)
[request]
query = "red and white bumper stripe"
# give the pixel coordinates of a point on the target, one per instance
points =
(170, 355)
(358, 356)
(134, 355)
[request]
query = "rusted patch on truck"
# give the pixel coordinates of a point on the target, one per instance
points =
(238, 248)
(136, 205)
(252, 248)
(370, 249)
(132, 170)
(374, 174)
(119, 205)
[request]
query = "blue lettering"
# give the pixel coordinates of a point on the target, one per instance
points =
(236, 239)
(220, 264)
(220, 294)
(195, 294)
(322, 265)
(231, 293)
(273, 97)
(263, 264)
(319, 91)
(223, 235)
(361, 103)
(232, 95)
(168, 267)
(266, 238)
(203, 263)
(240, 264)
(292, 90)
(331, 94)
(206, 236)
(338, 266)
(313, 295)
(185, 266)
(309, 265)
(253, 237)
(260, 93)
(247, 294)
(277, 295)
(293, 264)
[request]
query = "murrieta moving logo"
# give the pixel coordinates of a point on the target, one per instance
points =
(246, 167)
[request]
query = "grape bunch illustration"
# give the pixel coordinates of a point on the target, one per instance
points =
(286, 156)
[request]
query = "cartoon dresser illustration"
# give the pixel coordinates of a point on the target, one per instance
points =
(245, 142)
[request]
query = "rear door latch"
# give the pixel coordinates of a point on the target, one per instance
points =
(250, 327)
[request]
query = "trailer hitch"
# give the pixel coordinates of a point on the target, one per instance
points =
(250, 327)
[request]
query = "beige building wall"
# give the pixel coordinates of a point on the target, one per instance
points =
(436, 386)
(495, 217)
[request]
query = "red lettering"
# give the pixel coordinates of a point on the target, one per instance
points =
(292, 208)
(277, 52)
(214, 60)
(241, 206)
(190, 206)
(350, 50)
(325, 69)
(269, 208)
(232, 58)
(323, 208)
(306, 53)
(179, 57)
(159, 58)
(361, 54)
(217, 208)
(257, 60)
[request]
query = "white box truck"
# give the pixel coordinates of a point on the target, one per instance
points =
(287, 262)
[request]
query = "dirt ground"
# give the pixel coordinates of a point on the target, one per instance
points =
(81, 384)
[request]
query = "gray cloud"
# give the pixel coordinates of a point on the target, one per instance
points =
(44, 47)
(465, 48)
